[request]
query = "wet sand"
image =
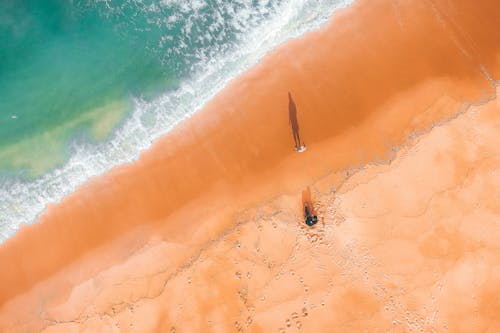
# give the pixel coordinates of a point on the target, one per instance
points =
(204, 232)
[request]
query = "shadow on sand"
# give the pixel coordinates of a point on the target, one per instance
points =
(294, 123)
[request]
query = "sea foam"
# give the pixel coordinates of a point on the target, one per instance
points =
(212, 68)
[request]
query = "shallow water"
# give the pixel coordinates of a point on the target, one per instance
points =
(65, 68)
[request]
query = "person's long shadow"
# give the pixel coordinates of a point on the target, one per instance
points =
(292, 116)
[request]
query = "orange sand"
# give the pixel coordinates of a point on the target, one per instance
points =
(204, 232)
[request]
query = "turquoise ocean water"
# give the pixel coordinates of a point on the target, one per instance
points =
(64, 66)
(86, 85)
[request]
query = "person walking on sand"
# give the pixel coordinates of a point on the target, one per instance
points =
(292, 119)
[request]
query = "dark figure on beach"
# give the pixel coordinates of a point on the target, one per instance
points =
(311, 219)
(292, 115)
(309, 213)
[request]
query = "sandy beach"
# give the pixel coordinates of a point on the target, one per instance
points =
(396, 103)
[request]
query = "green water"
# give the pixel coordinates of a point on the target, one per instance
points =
(67, 70)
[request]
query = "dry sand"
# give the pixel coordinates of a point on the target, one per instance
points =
(205, 232)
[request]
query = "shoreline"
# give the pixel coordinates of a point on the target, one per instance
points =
(241, 168)
(124, 145)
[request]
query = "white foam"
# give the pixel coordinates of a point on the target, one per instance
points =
(21, 202)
